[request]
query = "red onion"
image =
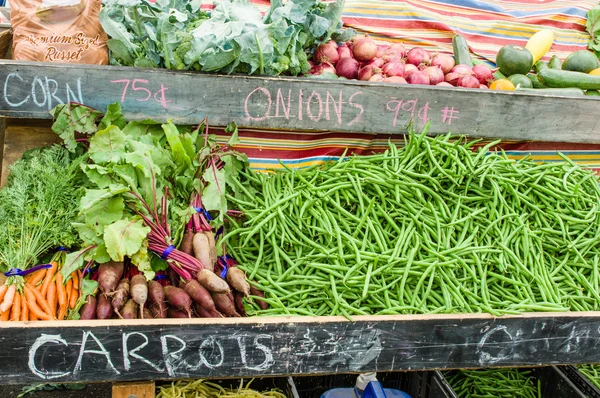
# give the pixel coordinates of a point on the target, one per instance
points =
(396, 52)
(444, 61)
(452, 78)
(409, 68)
(377, 62)
(444, 84)
(347, 67)
(393, 69)
(483, 86)
(417, 56)
(418, 77)
(381, 49)
(376, 78)
(366, 72)
(344, 51)
(483, 73)
(435, 74)
(322, 68)
(311, 63)
(399, 49)
(463, 70)
(326, 52)
(395, 79)
(364, 49)
(468, 82)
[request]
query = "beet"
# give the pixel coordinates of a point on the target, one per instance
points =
(200, 295)
(104, 309)
(130, 310)
(179, 299)
(88, 311)
(175, 313)
(225, 304)
(237, 279)
(255, 292)
(121, 295)
(239, 303)
(139, 291)
(109, 275)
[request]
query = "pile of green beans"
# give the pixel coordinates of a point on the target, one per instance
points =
(592, 372)
(494, 383)
(435, 226)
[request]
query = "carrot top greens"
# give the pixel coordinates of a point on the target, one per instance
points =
(38, 205)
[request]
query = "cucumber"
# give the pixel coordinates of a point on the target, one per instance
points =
(535, 82)
(592, 93)
(566, 79)
(461, 51)
(561, 92)
(555, 63)
(539, 65)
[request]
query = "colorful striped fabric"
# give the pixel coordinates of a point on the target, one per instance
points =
(487, 26)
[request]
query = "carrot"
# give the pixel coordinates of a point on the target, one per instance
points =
(75, 278)
(74, 297)
(34, 309)
(41, 302)
(36, 277)
(69, 290)
(9, 297)
(5, 316)
(3, 290)
(48, 278)
(32, 316)
(24, 309)
(62, 296)
(51, 298)
(15, 312)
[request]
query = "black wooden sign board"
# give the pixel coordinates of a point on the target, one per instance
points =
(82, 351)
(30, 90)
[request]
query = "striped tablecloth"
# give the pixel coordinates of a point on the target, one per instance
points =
(487, 26)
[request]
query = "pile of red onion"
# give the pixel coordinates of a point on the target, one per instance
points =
(363, 59)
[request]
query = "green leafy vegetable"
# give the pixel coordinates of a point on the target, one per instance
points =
(145, 182)
(236, 38)
(593, 28)
(38, 205)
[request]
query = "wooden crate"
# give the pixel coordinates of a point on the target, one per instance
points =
(163, 349)
(30, 90)
(85, 351)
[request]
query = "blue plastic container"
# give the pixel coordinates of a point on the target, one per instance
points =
(373, 390)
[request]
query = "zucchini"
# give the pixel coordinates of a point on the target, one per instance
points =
(461, 51)
(565, 79)
(535, 82)
(555, 63)
(539, 65)
(561, 92)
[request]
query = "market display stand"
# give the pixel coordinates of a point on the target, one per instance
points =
(88, 351)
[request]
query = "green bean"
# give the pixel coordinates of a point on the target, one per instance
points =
(431, 227)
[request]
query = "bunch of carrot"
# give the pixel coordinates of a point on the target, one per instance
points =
(42, 295)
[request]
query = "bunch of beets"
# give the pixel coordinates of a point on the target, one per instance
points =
(363, 59)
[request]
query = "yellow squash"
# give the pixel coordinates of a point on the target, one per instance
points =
(540, 43)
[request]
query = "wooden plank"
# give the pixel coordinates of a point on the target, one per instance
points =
(134, 390)
(22, 136)
(30, 90)
(121, 350)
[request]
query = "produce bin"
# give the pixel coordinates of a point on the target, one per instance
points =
(555, 384)
(582, 382)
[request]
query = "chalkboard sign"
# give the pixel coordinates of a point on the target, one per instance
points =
(198, 348)
(30, 90)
